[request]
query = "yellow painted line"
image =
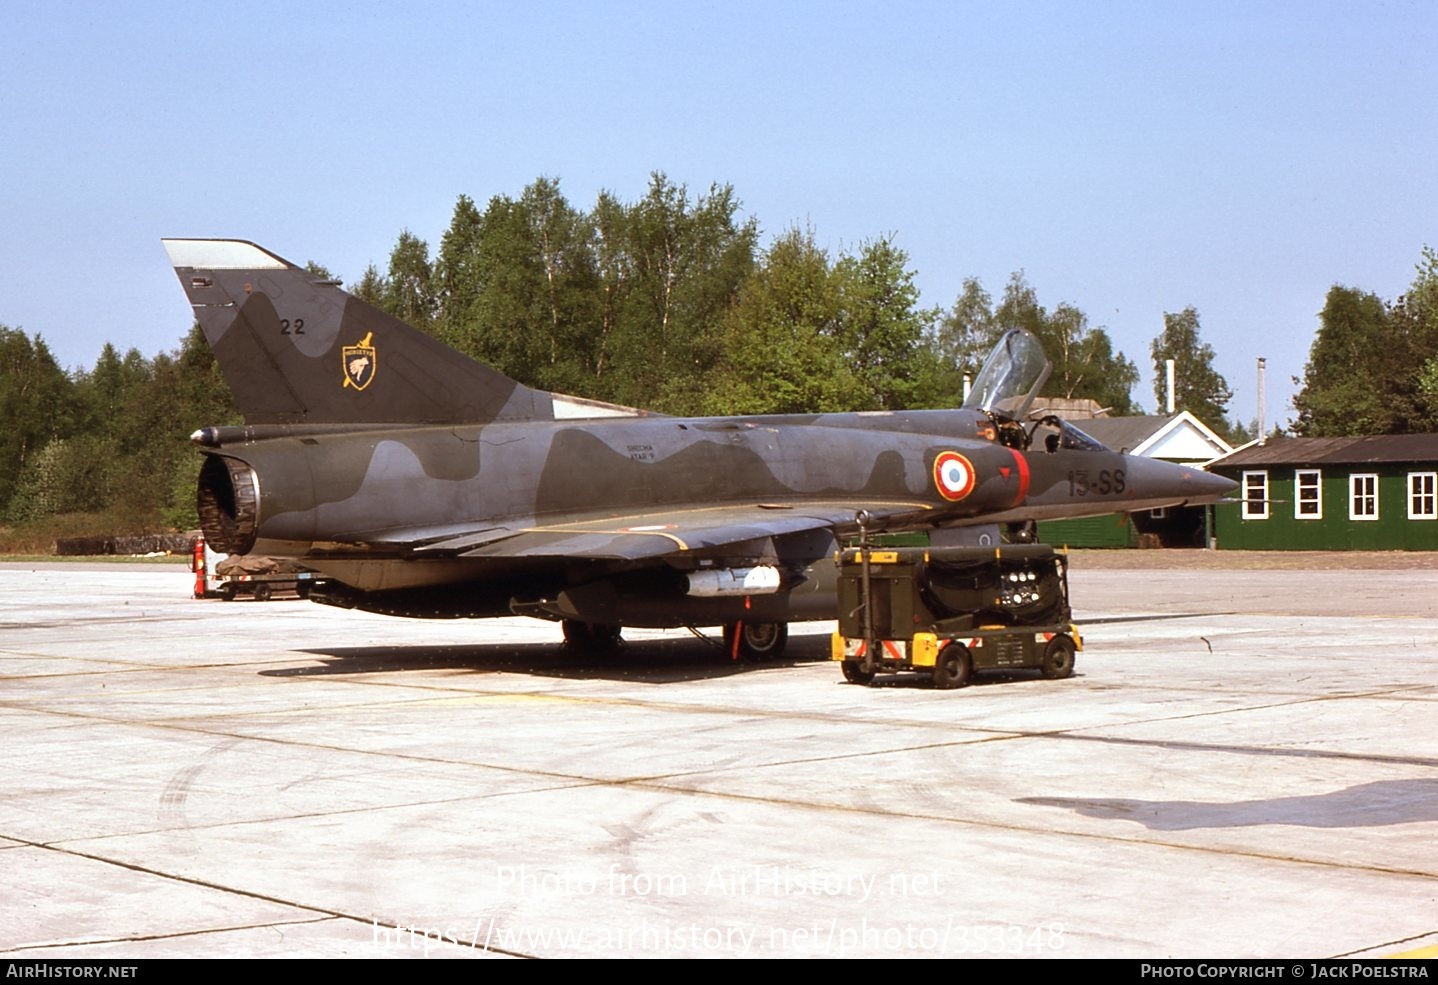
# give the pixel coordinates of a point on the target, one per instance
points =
(497, 699)
(1420, 954)
(686, 518)
(609, 533)
(682, 515)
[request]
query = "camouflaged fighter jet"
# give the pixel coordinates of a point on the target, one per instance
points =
(419, 482)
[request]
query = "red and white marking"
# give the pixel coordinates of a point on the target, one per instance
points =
(953, 476)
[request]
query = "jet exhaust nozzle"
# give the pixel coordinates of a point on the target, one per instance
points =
(228, 503)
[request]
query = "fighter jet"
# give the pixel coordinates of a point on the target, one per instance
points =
(419, 482)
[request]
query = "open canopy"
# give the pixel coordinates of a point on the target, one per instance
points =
(1012, 375)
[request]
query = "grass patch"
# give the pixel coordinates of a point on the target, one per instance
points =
(36, 538)
(95, 559)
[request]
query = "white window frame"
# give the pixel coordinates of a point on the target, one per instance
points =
(1423, 495)
(1255, 482)
(1302, 478)
(1363, 496)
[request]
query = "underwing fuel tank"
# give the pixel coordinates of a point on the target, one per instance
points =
(761, 580)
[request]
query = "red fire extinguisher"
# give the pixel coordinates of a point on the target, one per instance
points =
(197, 565)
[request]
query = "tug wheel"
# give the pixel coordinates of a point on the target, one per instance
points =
(1058, 658)
(953, 667)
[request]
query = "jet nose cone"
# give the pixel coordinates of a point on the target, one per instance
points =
(1151, 479)
(1205, 487)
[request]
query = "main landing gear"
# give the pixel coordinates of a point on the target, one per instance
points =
(755, 640)
(594, 637)
(750, 641)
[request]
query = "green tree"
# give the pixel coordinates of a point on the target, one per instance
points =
(320, 272)
(68, 475)
(962, 338)
(1416, 315)
(409, 292)
(372, 287)
(521, 287)
(687, 259)
(783, 351)
(1422, 296)
(458, 277)
(128, 455)
(118, 459)
(1198, 387)
(614, 272)
(37, 404)
(104, 391)
(155, 434)
(561, 238)
(1109, 377)
(884, 331)
(508, 308)
(204, 399)
(1348, 386)
(205, 396)
(1373, 366)
(1085, 364)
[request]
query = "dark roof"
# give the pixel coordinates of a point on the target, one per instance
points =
(1122, 432)
(1336, 451)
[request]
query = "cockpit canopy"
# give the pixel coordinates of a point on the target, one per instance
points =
(1011, 377)
(1005, 390)
(1058, 433)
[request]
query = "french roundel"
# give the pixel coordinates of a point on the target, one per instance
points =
(953, 475)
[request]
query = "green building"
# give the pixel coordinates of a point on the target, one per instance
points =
(1377, 493)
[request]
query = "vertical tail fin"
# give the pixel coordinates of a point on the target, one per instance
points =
(298, 350)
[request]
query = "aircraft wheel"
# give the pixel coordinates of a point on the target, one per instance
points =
(605, 636)
(591, 636)
(953, 667)
(756, 640)
(262, 592)
(576, 633)
(1058, 658)
(854, 672)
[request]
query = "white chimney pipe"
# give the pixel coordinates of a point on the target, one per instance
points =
(1170, 386)
(1262, 424)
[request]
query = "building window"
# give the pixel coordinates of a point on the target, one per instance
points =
(1255, 495)
(1422, 503)
(1363, 497)
(1307, 494)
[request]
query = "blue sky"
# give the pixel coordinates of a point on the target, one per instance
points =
(1130, 158)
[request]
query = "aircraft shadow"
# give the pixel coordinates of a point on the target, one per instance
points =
(640, 661)
(1366, 805)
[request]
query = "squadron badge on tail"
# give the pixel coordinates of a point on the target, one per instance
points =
(359, 362)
